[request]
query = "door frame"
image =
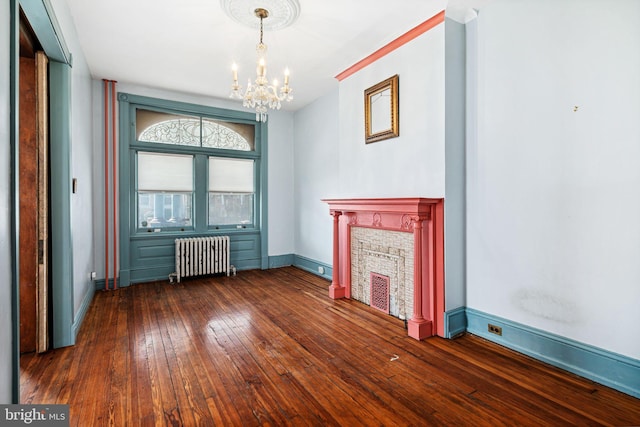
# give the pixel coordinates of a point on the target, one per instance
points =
(41, 17)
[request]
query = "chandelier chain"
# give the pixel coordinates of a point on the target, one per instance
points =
(261, 31)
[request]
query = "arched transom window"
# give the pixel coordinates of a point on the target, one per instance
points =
(165, 128)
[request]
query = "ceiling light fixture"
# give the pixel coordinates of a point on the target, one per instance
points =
(261, 95)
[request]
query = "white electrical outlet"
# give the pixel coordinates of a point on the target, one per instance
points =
(93, 275)
(321, 269)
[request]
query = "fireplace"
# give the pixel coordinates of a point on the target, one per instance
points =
(400, 239)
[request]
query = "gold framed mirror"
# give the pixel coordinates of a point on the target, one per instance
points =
(381, 113)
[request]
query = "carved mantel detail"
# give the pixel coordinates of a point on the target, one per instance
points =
(422, 217)
(407, 223)
(377, 220)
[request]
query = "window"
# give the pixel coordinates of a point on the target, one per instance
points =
(231, 191)
(166, 128)
(188, 170)
(164, 190)
(167, 183)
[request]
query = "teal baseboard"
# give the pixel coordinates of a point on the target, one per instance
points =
(611, 369)
(98, 284)
(278, 261)
(84, 307)
(455, 322)
(312, 266)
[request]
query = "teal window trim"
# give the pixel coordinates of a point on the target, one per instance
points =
(200, 194)
(128, 147)
(262, 171)
(157, 147)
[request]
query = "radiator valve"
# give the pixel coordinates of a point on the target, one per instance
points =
(173, 276)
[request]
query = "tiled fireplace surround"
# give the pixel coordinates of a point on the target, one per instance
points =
(401, 238)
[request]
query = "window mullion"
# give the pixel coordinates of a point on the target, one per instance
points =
(200, 188)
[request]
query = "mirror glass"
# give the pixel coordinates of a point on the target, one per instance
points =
(381, 111)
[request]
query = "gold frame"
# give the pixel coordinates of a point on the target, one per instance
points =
(376, 126)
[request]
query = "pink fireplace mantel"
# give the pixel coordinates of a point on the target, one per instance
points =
(422, 217)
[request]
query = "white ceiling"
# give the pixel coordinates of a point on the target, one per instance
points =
(189, 45)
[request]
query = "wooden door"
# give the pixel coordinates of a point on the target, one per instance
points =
(28, 205)
(33, 195)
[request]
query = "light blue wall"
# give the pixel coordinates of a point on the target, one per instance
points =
(316, 176)
(411, 165)
(81, 161)
(333, 161)
(6, 363)
(553, 199)
(455, 197)
(281, 183)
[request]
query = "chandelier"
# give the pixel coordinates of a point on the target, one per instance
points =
(261, 95)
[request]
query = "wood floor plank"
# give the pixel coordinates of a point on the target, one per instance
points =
(165, 405)
(207, 391)
(95, 379)
(358, 350)
(557, 392)
(339, 379)
(271, 348)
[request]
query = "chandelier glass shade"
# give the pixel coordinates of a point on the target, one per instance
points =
(260, 95)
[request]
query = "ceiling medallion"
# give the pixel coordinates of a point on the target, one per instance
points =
(282, 13)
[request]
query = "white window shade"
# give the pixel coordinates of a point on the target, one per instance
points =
(231, 175)
(165, 172)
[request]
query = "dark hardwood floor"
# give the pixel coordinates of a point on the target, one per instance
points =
(270, 348)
